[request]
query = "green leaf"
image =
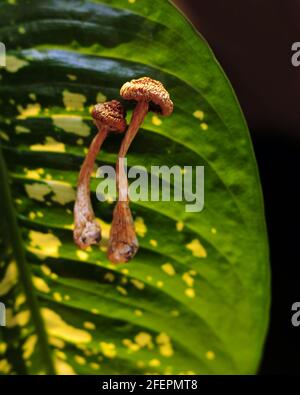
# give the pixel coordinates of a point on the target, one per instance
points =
(196, 297)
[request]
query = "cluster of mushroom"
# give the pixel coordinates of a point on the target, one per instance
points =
(109, 117)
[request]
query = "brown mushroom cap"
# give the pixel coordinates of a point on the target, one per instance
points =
(112, 114)
(152, 91)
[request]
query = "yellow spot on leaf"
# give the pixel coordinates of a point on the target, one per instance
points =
(20, 300)
(57, 296)
(179, 226)
(175, 313)
(89, 325)
(138, 284)
(69, 226)
(34, 174)
(63, 367)
(73, 101)
(144, 339)
(63, 192)
(20, 319)
(13, 64)
(80, 360)
(40, 284)
(10, 278)
(56, 342)
(72, 77)
(165, 346)
(94, 366)
(140, 227)
(154, 363)
(138, 313)
(166, 350)
(156, 120)
(204, 126)
(44, 243)
(5, 366)
(21, 30)
(199, 115)
(28, 346)
(168, 269)
(122, 290)
(3, 348)
(108, 349)
(190, 292)
(197, 249)
(210, 355)
(188, 279)
(58, 328)
(71, 124)
(124, 280)
(37, 191)
(50, 145)
(32, 110)
(21, 129)
(4, 135)
(162, 338)
(153, 243)
(82, 255)
(32, 96)
(61, 355)
(131, 345)
(100, 98)
(110, 277)
(46, 270)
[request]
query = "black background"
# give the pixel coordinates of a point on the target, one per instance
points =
(252, 40)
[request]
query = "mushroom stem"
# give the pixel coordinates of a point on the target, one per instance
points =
(137, 119)
(86, 230)
(123, 243)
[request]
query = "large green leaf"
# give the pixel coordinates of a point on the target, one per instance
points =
(196, 297)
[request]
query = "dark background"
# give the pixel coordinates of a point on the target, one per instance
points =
(252, 40)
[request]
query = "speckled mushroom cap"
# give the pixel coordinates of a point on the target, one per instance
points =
(112, 114)
(147, 89)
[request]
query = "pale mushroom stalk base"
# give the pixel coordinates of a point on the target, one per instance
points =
(123, 243)
(87, 231)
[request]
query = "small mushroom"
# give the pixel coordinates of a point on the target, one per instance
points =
(108, 117)
(151, 95)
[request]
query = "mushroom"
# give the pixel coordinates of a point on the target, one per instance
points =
(108, 117)
(151, 96)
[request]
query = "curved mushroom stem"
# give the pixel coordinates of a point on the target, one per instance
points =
(123, 243)
(138, 116)
(86, 230)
